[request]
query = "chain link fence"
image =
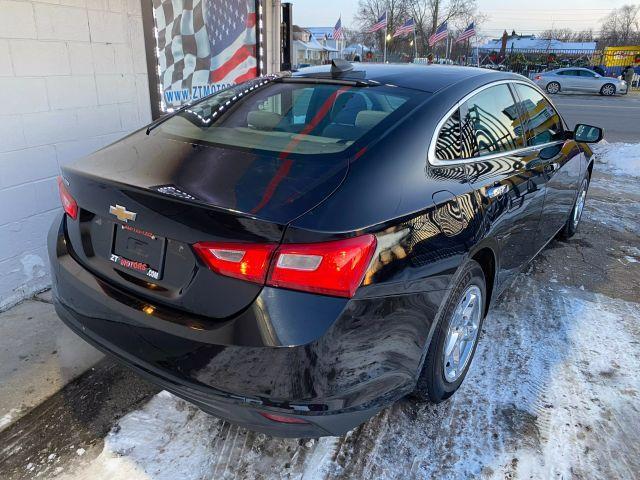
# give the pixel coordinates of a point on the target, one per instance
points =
(610, 62)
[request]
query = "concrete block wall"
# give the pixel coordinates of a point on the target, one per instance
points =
(73, 78)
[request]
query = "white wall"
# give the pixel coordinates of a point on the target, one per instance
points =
(73, 78)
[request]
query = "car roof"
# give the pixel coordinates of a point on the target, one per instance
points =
(572, 68)
(427, 78)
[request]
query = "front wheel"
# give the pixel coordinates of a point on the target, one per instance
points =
(455, 337)
(571, 227)
(553, 87)
(608, 90)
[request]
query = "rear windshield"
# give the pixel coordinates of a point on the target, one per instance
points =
(299, 118)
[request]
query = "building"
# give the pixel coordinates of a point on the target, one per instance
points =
(315, 45)
(78, 75)
(324, 35)
(514, 43)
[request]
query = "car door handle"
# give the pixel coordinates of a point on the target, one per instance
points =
(551, 167)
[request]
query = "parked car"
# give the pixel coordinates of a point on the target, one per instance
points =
(576, 79)
(297, 252)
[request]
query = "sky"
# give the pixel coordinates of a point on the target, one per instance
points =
(525, 17)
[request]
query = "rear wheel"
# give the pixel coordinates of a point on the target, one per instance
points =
(455, 337)
(553, 87)
(571, 227)
(608, 89)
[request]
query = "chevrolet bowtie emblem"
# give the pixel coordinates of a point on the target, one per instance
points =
(122, 213)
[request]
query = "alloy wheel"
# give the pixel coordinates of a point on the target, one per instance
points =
(553, 87)
(608, 90)
(462, 333)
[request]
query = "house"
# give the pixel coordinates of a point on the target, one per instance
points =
(306, 49)
(324, 35)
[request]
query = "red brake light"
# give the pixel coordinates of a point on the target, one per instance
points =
(246, 261)
(68, 203)
(281, 418)
(537, 77)
(331, 268)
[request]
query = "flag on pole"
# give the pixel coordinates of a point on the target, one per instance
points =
(338, 34)
(406, 27)
(469, 32)
(439, 34)
(380, 24)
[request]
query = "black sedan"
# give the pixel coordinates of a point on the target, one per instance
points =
(297, 252)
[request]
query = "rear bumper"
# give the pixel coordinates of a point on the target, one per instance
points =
(233, 408)
(342, 361)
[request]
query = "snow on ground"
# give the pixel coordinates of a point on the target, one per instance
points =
(553, 391)
(619, 158)
(9, 417)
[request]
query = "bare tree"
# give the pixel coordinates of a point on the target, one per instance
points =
(369, 11)
(429, 14)
(567, 35)
(621, 27)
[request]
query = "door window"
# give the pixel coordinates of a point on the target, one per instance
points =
(586, 73)
(543, 124)
(494, 120)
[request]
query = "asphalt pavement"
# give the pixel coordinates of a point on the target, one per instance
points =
(619, 116)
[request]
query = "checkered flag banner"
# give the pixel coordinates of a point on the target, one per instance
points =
(204, 44)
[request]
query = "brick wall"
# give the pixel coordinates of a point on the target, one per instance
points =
(73, 78)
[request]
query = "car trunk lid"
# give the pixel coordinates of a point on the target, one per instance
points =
(146, 200)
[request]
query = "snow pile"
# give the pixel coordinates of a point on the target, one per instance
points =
(9, 417)
(170, 439)
(619, 158)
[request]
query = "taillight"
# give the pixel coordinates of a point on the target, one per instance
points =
(68, 203)
(331, 268)
(246, 261)
(282, 418)
(537, 77)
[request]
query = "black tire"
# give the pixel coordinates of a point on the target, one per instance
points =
(553, 88)
(571, 227)
(608, 89)
(432, 385)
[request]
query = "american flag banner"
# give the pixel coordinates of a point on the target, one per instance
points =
(203, 45)
(338, 33)
(468, 32)
(407, 27)
(440, 34)
(380, 24)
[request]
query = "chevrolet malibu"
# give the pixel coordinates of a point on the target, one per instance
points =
(297, 252)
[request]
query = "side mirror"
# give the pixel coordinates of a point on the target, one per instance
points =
(587, 134)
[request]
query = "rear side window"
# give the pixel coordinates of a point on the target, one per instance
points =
(288, 117)
(543, 123)
(456, 139)
(586, 73)
(448, 145)
(493, 117)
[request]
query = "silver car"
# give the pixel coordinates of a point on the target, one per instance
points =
(579, 80)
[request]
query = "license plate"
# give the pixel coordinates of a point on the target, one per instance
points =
(138, 250)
